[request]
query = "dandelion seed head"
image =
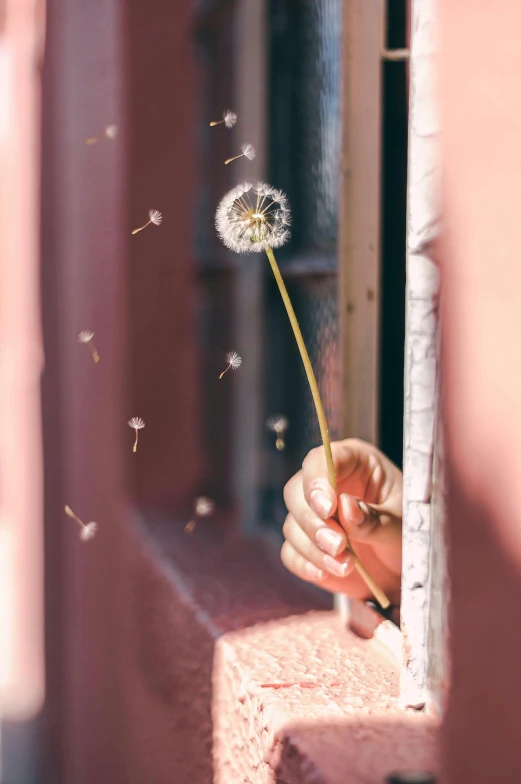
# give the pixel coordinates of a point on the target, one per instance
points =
(155, 216)
(248, 150)
(234, 360)
(88, 531)
(85, 335)
(136, 422)
(251, 218)
(111, 131)
(278, 423)
(204, 506)
(230, 118)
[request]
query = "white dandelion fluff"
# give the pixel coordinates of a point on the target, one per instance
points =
(137, 424)
(154, 216)
(204, 506)
(251, 218)
(247, 151)
(86, 336)
(234, 361)
(87, 530)
(278, 424)
(229, 119)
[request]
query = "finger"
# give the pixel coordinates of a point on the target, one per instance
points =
(330, 538)
(365, 522)
(340, 566)
(305, 570)
(347, 457)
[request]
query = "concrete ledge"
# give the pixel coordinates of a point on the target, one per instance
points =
(303, 701)
(230, 678)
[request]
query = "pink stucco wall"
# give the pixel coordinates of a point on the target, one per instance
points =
(481, 251)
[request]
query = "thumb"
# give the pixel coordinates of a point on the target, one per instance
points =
(364, 522)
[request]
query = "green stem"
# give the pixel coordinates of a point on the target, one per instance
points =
(322, 421)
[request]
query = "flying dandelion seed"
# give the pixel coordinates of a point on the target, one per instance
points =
(110, 132)
(204, 506)
(234, 361)
(248, 151)
(278, 424)
(255, 219)
(155, 217)
(229, 119)
(86, 336)
(252, 219)
(137, 424)
(87, 530)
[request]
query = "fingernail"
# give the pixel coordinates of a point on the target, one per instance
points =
(351, 509)
(313, 572)
(321, 504)
(330, 541)
(338, 568)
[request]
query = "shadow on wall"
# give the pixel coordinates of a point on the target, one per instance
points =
(482, 731)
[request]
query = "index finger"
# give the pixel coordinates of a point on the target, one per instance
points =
(318, 492)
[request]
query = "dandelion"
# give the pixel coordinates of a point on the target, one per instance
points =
(251, 219)
(255, 219)
(87, 530)
(203, 507)
(136, 423)
(234, 361)
(155, 217)
(248, 151)
(278, 424)
(86, 336)
(229, 119)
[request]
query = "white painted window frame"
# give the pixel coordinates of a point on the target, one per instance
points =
(423, 574)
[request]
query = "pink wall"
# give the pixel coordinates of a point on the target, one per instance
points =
(104, 65)
(481, 254)
(161, 174)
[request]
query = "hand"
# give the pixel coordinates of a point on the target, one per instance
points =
(369, 507)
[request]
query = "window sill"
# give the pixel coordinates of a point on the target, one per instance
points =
(261, 681)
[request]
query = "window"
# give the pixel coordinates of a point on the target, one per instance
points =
(321, 89)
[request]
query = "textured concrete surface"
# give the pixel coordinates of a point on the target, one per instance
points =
(303, 700)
